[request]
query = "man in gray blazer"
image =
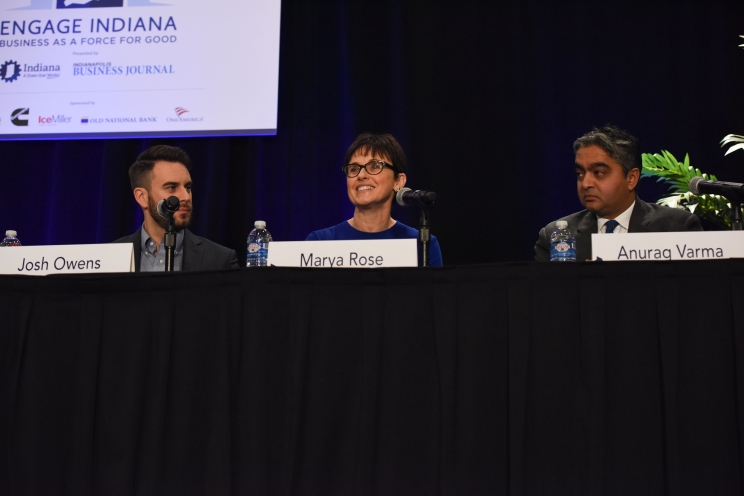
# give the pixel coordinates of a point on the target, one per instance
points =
(608, 167)
(159, 172)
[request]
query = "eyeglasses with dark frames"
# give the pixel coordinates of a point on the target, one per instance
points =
(373, 167)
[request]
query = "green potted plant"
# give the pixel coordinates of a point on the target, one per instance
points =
(714, 210)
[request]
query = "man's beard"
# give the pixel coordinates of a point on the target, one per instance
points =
(179, 224)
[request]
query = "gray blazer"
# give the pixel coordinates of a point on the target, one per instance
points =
(198, 253)
(646, 217)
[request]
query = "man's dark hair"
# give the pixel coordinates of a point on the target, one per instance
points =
(618, 144)
(382, 145)
(139, 172)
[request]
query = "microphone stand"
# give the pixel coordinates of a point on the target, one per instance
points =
(424, 236)
(736, 223)
(170, 244)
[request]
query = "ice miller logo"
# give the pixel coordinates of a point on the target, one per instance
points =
(19, 117)
(180, 111)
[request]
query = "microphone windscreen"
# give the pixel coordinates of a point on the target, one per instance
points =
(694, 185)
(399, 196)
(161, 209)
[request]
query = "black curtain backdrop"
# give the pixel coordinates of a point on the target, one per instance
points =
(485, 97)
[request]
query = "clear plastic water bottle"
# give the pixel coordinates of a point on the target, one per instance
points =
(11, 239)
(562, 243)
(258, 245)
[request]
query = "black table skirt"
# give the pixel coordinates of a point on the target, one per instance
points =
(523, 379)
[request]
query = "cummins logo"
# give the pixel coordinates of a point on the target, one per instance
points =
(19, 117)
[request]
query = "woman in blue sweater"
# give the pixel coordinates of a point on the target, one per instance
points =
(375, 169)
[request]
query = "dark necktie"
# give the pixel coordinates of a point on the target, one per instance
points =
(611, 225)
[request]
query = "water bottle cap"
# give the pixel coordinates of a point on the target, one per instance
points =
(561, 224)
(260, 224)
(10, 234)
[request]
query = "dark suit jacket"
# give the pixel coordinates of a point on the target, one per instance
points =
(198, 253)
(646, 217)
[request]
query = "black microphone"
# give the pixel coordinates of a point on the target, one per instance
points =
(167, 207)
(406, 197)
(732, 191)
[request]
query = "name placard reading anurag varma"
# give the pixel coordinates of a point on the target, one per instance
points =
(695, 245)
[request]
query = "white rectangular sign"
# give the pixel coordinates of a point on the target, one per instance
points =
(346, 254)
(690, 245)
(100, 68)
(67, 259)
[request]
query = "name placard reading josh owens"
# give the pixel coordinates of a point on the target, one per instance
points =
(353, 254)
(66, 259)
(695, 245)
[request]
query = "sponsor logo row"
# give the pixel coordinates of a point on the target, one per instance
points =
(12, 70)
(21, 117)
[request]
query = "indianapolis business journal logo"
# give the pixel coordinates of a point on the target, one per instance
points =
(19, 117)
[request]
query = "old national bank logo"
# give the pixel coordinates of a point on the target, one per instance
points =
(117, 120)
(10, 71)
(180, 111)
(87, 4)
(19, 117)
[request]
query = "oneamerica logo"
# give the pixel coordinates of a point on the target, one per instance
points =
(180, 111)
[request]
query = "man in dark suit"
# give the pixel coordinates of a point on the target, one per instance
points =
(608, 167)
(159, 172)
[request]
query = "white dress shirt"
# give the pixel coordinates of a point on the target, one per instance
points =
(623, 221)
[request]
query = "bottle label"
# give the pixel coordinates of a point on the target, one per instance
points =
(254, 247)
(562, 250)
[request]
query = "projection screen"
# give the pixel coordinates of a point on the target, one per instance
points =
(77, 69)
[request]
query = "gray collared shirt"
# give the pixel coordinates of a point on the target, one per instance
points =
(155, 262)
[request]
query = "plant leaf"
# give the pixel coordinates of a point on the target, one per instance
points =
(734, 148)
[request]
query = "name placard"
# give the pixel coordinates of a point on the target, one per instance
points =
(690, 245)
(67, 259)
(353, 254)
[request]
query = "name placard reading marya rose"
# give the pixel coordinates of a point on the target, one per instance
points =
(67, 259)
(346, 254)
(697, 245)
